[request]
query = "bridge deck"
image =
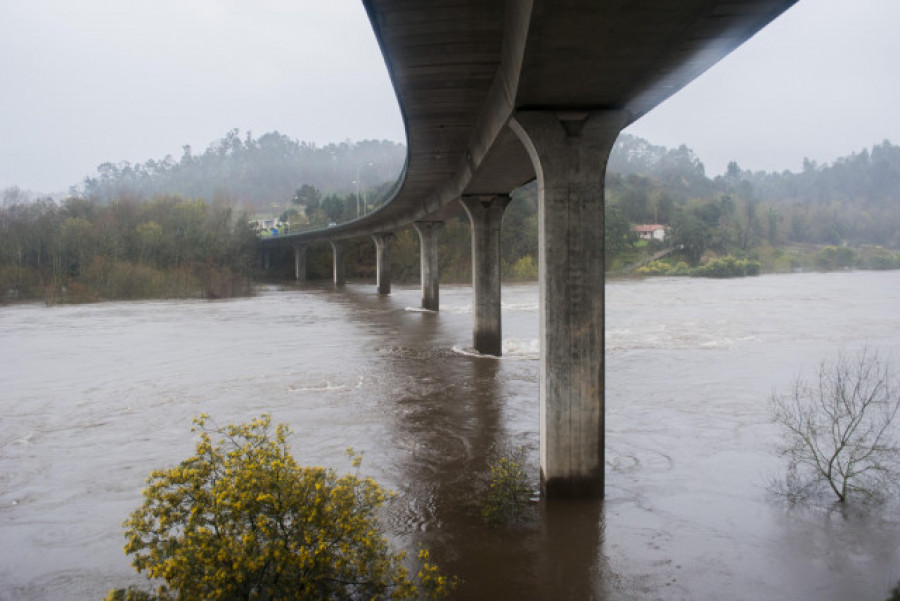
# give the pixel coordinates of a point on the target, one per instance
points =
(461, 68)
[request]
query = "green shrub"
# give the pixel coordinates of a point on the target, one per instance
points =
(680, 269)
(654, 268)
(832, 258)
(724, 267)
(727, 267)
(876, 257)
(121, 280)
(895, 594)
(790, 262)
(882, 262)
(130, 594)
(525, 268)
(18, 284)
(508, 493)
(752, 268)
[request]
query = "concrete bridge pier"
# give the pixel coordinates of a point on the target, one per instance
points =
(300, 262)
(569, 151)
(428, 252)
(485, 215)
(340, 277)
(383, 262)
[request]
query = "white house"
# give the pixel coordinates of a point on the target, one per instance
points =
(653, 231)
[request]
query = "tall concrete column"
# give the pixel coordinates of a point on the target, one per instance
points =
(569, 152)
(337, 248)
(485, 215)
(383, 262)
(300, 262)
(428, 252)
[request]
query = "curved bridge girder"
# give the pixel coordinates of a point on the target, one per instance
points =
(494, 94)
(461, 68)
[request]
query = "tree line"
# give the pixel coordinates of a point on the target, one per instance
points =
(130, 229)
(851, 202)
(84, 250)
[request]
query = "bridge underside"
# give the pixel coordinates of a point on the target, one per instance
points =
(495, 94)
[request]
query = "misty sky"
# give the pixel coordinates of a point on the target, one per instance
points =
(89, 81)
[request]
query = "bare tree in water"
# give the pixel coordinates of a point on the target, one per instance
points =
(838, 432)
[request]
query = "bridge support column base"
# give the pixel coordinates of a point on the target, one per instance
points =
(485, 216)
(590, 487)
(428, 251)
(569, 152)
(340, 275)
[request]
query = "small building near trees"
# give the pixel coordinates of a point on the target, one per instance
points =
(266, 225)
(653, 231)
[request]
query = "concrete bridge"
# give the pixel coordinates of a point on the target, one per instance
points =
(496, 93)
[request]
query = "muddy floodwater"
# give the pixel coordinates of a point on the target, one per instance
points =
(93, 397)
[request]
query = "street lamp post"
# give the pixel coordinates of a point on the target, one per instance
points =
(275, 215)
(356, 181)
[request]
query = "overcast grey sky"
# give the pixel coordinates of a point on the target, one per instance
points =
(89, 81)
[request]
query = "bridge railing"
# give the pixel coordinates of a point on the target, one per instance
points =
(382, 200)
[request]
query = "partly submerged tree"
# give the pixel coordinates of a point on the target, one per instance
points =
(242, 520)
(508, 493)
(838, 430)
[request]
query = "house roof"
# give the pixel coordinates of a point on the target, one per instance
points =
(648, 228)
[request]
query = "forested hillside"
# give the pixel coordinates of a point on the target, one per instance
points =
(853, 201)
(252, 173)
(784, 220)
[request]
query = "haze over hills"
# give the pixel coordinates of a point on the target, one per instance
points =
(853, 200)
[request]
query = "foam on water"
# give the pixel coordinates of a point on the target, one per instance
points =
(418, 310)
(518, 348)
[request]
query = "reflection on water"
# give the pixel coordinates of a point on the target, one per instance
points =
(94, 397)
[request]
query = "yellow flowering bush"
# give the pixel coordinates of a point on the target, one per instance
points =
(242, 520)
(654, 268)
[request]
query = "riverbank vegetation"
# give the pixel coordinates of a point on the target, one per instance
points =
(177, 228)
(723, 267)
(84, 250)
(241, 519)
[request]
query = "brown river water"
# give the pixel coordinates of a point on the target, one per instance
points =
(93, 397)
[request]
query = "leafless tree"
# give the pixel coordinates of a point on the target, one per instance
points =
(838, 432)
